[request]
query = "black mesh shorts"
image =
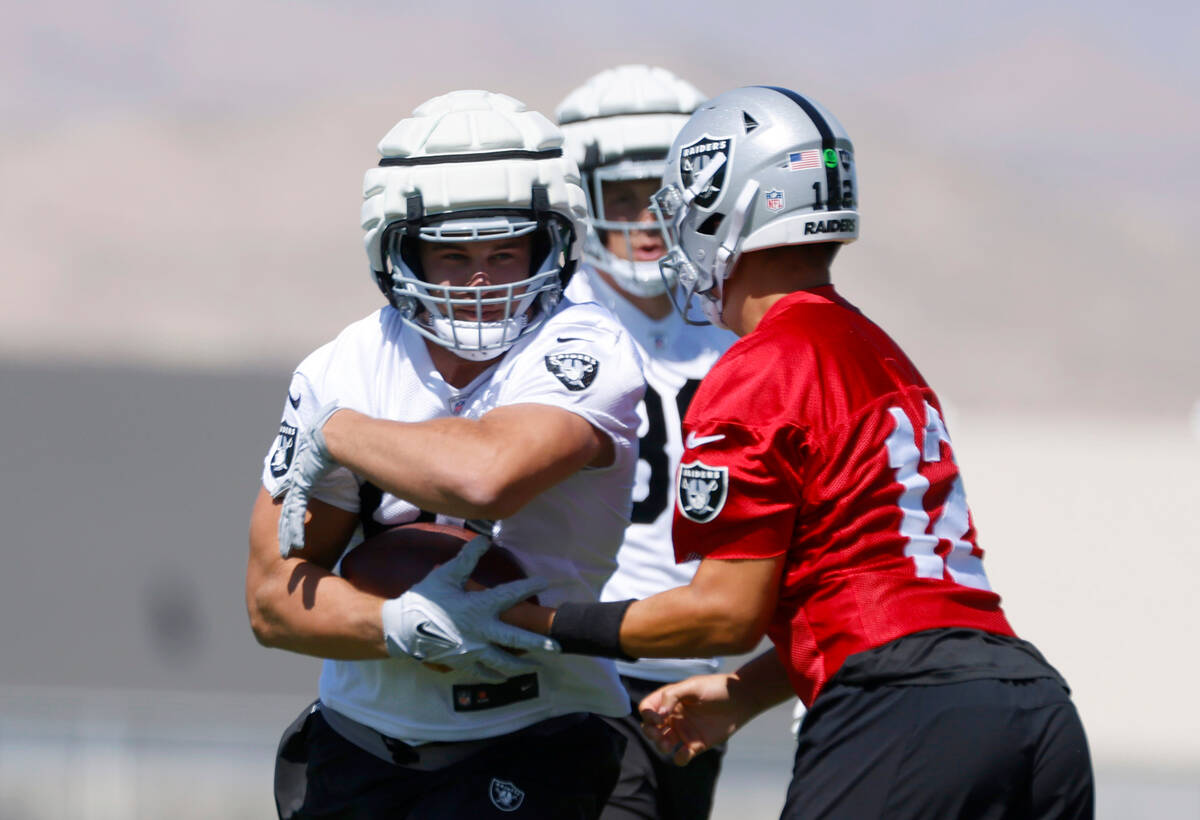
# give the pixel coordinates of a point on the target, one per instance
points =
(973, 749)
(564, 775)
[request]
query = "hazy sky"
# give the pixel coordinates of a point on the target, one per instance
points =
(77, 57)
(179, 177)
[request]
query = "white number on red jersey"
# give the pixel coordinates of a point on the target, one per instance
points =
(905, 456)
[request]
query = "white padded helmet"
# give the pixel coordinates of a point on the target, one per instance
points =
(754, 168)
(473, 166)
(619, 126)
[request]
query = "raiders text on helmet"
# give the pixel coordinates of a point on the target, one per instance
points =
(619, 126)
(473, 166)
(754, 168)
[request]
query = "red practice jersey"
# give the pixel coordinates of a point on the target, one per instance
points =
(816, 437)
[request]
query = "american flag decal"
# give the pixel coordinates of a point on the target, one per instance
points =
(800, 160)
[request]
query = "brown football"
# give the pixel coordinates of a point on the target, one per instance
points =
(389, 563)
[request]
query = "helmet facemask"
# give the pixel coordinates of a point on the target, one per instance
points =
(701, 246)
(478, 323)
(637, 277)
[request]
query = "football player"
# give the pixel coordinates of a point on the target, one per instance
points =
(819, 489)
(619, 126)
(477, 392)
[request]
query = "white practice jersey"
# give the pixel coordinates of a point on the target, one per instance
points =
(675, 357)
(580, 360)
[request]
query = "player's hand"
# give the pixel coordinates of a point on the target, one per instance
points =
(310, 462)
(438, 621)
(687, 718)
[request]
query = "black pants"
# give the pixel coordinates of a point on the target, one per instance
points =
(973, 749)
(651, 787)
(566, 775)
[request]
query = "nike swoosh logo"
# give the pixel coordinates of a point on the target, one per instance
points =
(426, 629)
(295, 400)
(562, 339)
(694, 441)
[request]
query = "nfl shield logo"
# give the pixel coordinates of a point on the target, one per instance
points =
(505, 796)
(774, 200)
(701, 491)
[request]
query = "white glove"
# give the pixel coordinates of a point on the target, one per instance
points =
(438, 621)
(310, 462)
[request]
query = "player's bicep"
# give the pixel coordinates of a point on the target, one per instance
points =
(746, 590)
(327, 531)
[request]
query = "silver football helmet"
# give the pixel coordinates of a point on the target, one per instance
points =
(618, 127)
(754, 168)
(471, 166)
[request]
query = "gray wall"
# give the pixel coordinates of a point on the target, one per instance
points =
(125, 496)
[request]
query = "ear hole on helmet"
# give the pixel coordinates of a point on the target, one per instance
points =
(709, 226)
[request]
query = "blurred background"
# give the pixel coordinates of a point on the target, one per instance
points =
(179, 198)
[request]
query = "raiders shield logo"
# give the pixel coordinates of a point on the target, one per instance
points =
(575, 370)
(694, 158)
(505, 796)
(285, 447)
(702, 490)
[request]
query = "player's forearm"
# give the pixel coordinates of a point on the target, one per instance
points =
(678, 623)
(723, 611)
(485, 468)
(763, 682)
(441, 465)
(688, 716)
(683, 622)
(302, 607)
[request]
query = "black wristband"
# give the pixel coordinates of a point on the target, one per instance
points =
(590, 629)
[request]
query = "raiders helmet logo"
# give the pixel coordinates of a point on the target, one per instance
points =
(701, 491)
(575, 370)
(285, 447)
(694, 158)
(505, 796)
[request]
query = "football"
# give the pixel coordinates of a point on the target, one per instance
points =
(389, 563)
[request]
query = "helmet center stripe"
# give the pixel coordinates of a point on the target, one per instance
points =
(828, 143)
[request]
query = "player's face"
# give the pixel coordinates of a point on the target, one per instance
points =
(477, 264)
(629, 201)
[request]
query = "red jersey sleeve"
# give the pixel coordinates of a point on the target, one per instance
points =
(735, 495)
